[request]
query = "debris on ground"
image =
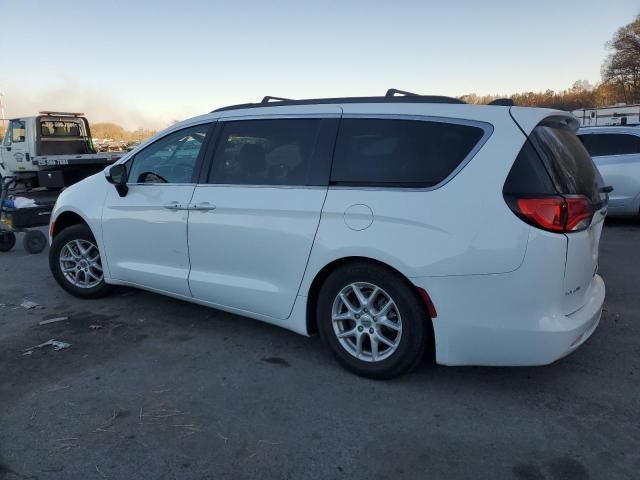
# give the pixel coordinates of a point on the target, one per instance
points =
(53, 320)
(56, 344)
(28, 304)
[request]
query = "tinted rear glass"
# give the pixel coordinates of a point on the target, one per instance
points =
(409, 153)
(567, 161)
(603, 144)
(528, 176)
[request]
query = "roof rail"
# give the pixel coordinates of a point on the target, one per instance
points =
(268, 99)
(392, 93)
(62, 114)
(502, 102)
(390, 97)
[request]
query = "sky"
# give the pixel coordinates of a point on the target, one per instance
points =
(147, 63)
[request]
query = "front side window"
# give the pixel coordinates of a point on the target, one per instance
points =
(602, 145)
(266, 152)
(17, 131)
(171, 159)
(402, 153)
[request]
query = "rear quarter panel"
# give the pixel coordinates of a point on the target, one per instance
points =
(463, 227)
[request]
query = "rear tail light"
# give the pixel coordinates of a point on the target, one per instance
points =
(554, 213)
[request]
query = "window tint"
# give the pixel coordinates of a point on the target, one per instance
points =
(567, 161)
(266, 152)
(171, 159)
(409, 153)
(603, 144)
(528, 176)
(17, 131)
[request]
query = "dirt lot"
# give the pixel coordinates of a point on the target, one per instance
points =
(154, 388)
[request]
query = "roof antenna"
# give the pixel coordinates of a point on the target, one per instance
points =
(502, 102)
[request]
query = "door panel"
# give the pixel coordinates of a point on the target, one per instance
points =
(146, 242)
(145, 231)
(250, 252)
(623, 173)
(252, 226)
(16, 148)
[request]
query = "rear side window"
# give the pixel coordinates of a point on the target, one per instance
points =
(405, 153)
(567, 161)
(528, 176)
(604, 144)
(267, 152)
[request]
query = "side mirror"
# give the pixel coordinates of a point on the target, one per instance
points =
(118, 176)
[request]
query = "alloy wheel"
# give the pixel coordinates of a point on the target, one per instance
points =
(366, 321)
(80, 263)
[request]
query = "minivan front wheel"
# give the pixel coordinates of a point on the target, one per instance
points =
(373, 320)
(76, 263)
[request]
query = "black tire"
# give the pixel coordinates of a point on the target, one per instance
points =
(7, 241)
(414, 339)
(75, 232)
(34, 241)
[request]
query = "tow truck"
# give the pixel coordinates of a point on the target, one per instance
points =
(39, 157)
(51, 150)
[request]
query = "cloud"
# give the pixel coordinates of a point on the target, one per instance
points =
(98, 106)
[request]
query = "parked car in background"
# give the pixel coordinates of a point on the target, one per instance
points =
(393, 226)
(616, 153)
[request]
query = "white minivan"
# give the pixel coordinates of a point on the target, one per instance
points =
(392, 226)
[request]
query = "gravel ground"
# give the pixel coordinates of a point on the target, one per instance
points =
(154, 388)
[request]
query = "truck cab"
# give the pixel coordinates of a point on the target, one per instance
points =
(52, 149)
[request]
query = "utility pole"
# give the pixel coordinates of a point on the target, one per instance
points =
(2, 112)
(3, 115)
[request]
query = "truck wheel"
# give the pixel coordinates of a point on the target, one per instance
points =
(34, 241)
(7, 241)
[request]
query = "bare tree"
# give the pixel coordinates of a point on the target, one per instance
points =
(622, 67)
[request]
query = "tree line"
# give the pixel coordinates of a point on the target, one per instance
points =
(115, 132)
(620, 83)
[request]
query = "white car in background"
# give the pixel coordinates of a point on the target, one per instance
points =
(616, 153)
(393, 226)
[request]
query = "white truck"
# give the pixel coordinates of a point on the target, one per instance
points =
(52, 150)
(619, 114)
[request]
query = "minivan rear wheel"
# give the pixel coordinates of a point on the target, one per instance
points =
(373, 320)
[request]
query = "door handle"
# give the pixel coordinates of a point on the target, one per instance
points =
(203, 207)
(173, 206)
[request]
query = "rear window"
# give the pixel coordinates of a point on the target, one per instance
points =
(567, 161)
(405, 153)
(60, 128)
(604, 144)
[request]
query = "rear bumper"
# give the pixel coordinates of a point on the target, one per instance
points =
(495, 324)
